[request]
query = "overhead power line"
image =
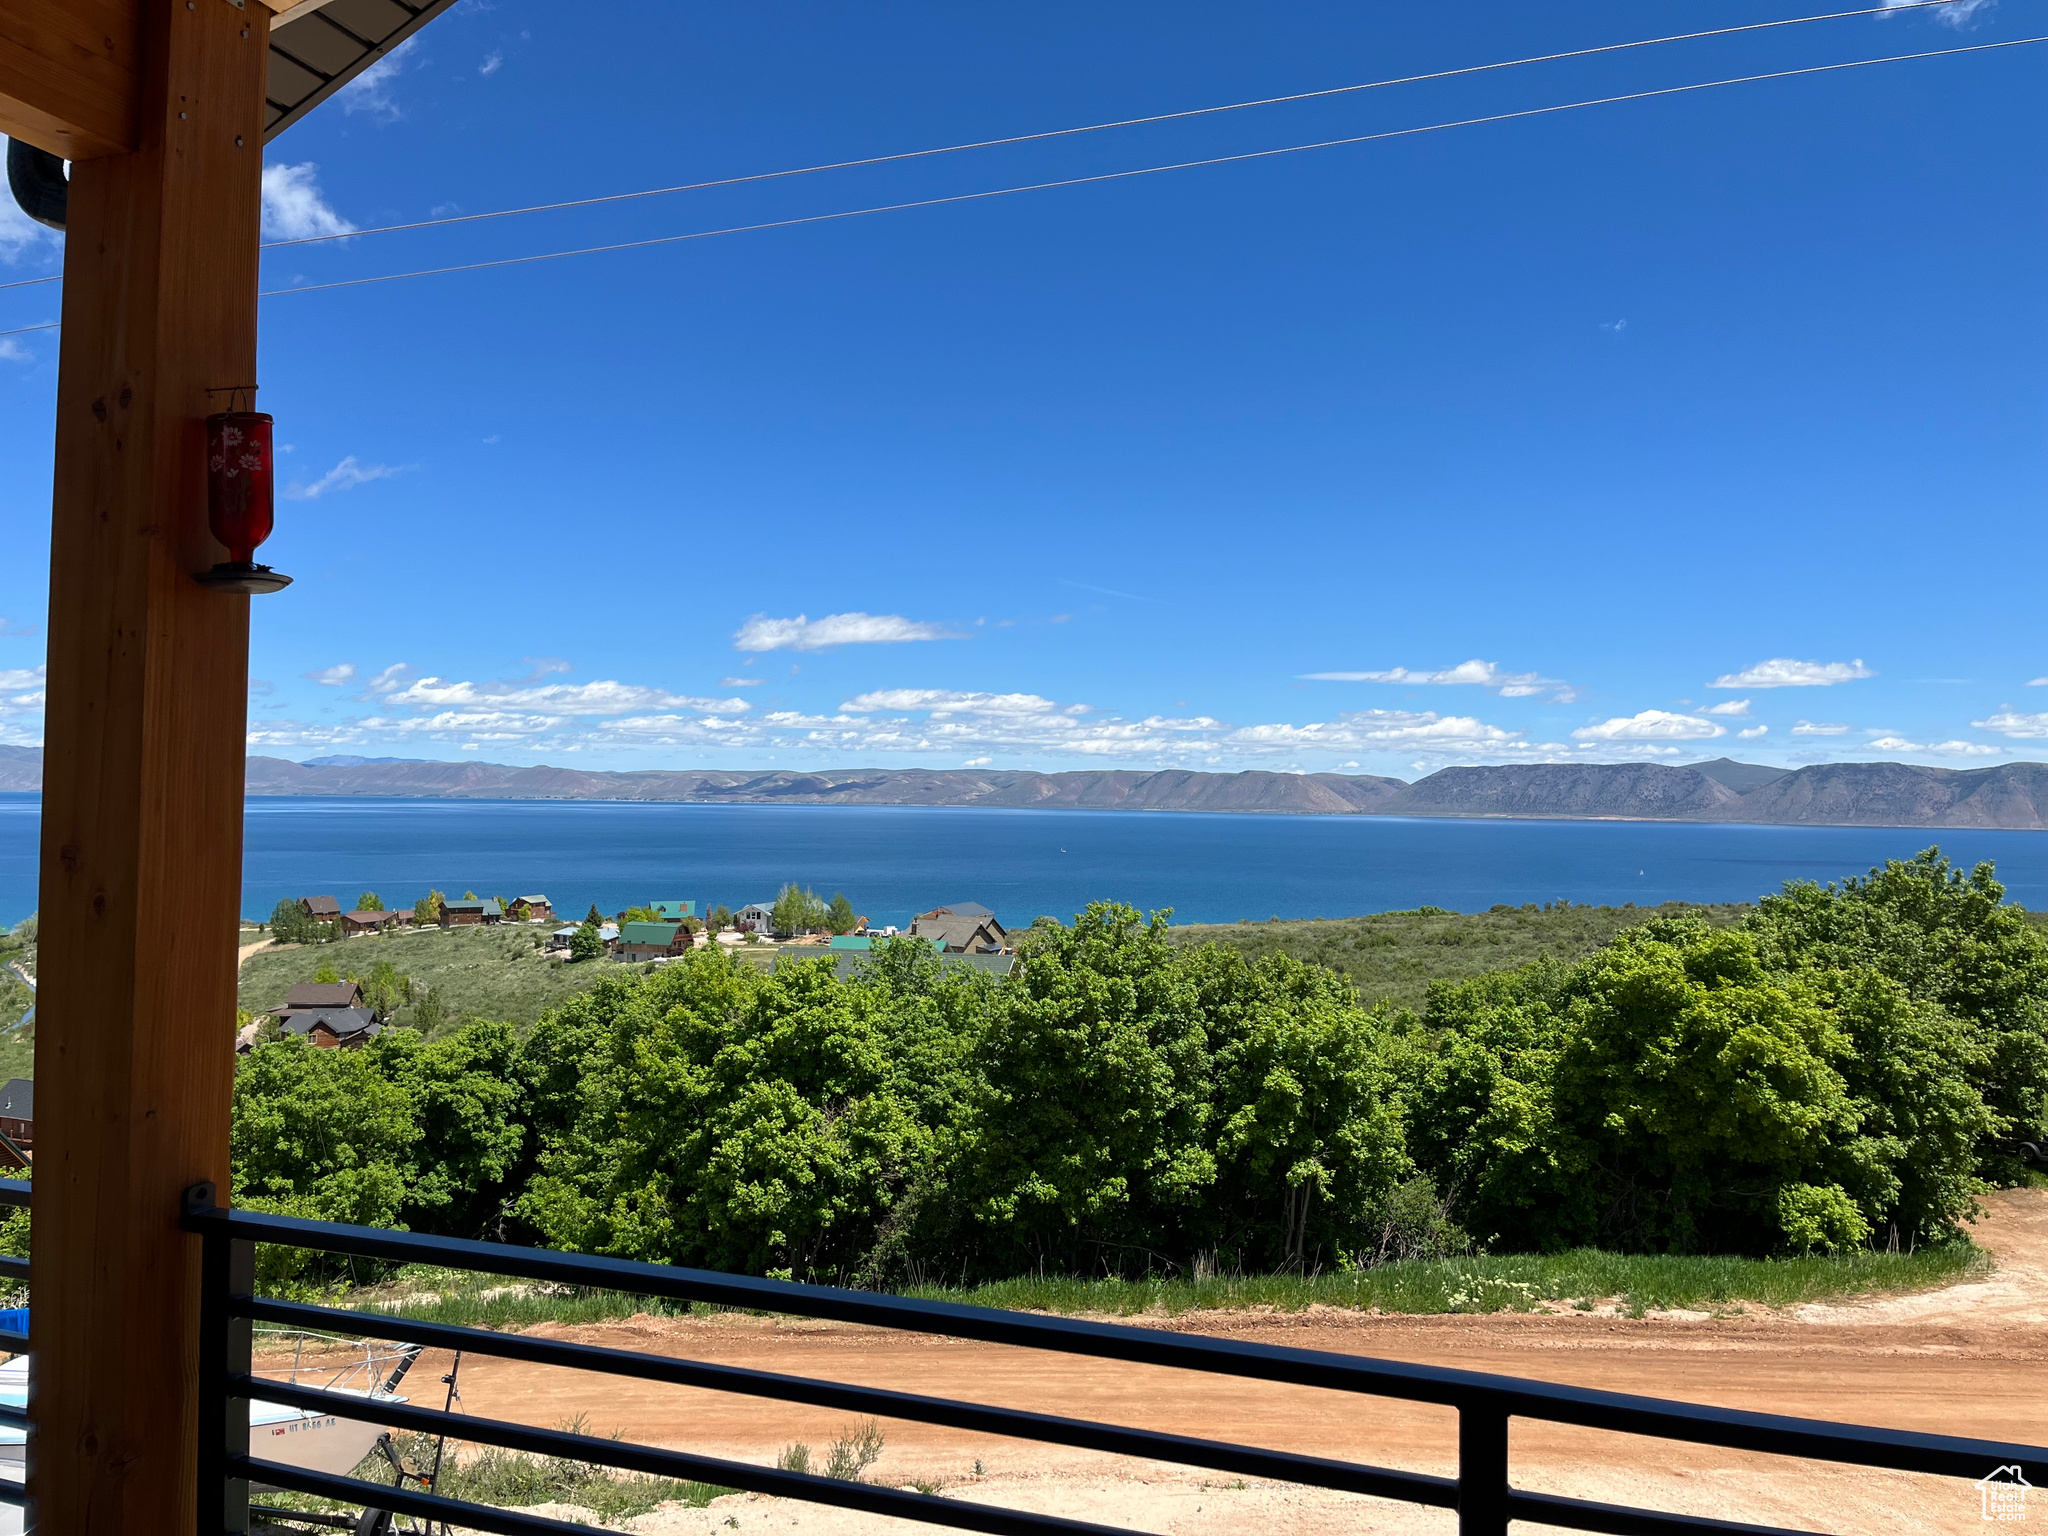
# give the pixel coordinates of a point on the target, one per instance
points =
(1151, 170)
(1126, 122)
(1060, 133)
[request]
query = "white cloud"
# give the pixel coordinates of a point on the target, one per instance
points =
(1958, 13)
(371, 92)
(553, 699)
(1651, 725)
(943, 704)
(977, 762)
(1474, 673)
(21, 704)
(741, 682)
(1783, 672)
(2009, 723)
(2037, 682)
(12, 351)
(335, 676)
(294, 208)
(492, 61)
(1376, 729)
(1753, 733)
(1944, 748)
(761, 633)
(1731, 707)
(1821, 728)
(345, 476)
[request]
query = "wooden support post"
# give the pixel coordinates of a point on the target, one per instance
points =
(142, 798)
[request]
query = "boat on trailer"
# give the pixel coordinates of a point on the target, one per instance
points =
(294, 1437)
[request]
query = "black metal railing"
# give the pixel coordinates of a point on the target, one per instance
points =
(1481, 1493)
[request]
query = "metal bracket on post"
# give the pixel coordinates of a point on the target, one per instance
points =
(227, 1269)
(1482, 1471)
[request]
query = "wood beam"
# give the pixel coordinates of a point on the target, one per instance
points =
(69, 74)
(142, 799)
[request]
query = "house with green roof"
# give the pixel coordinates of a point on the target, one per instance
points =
(651, 941)
(674, 911)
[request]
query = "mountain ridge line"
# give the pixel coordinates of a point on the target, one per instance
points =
(2006, 796)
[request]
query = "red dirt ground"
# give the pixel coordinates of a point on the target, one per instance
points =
(1966, 1360)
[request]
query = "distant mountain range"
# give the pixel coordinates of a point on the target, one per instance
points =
(2011, 795)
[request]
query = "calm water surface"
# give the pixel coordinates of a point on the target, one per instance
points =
(894, 861)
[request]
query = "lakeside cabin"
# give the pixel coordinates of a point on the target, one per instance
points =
(754, 917)
(470, 911)
(674, 911)
(322, 909)
(963, 928)
(652, 941)
(530, 909)
(18, 1112)
(334, 1029)
(365, 920)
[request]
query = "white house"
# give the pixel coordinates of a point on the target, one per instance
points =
(754, 918)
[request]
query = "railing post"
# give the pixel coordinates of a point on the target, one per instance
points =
(227, 1268)
(1482, 1470)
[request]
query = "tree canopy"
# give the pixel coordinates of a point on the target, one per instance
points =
(1846, 1067)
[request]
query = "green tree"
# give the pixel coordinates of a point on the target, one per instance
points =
(593, 916)
(291, 923)
(1309, 1139)
(1089, 1142)
(586, 943)
(639, 914)
(385, 989)
(729, 1118)
(840, 916)
(720, 918)
(369, 902)
(326, 973)
(428, 908)
(320, 1134)
(797, 910)
(1949, 939)
(469, 1106)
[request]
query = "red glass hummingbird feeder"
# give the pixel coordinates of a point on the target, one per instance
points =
(241, 507)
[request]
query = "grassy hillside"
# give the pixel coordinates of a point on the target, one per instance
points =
(487, 973)
(1394, 956)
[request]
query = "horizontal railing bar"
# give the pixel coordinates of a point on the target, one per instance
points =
(15, 1191)
(1620, 1520)
(12, 1492)
(13, 1342)
(11, 1265)
(399, 1501)
(12, 1417)
(652, 1461)
(1736, 1429)
(1283, 1466)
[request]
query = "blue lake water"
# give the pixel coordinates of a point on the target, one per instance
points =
(893, 862)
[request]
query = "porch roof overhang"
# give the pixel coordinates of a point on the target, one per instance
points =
(319, 46)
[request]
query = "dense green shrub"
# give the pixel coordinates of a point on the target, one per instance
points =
(1839, 1070)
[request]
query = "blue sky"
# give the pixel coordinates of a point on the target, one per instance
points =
(1666, 429)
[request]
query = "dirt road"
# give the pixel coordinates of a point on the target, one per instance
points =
(1969, 1360)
